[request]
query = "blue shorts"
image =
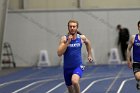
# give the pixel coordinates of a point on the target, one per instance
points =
(69, 72)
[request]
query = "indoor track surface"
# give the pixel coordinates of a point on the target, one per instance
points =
(96, 79)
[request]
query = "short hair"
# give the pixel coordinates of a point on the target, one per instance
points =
(73, 21)
(138, 23)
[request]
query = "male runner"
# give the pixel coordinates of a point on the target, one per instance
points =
(70, 46)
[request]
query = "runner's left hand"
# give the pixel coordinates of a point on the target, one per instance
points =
(90, 59)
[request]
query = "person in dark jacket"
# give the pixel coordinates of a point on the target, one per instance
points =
(123, 39)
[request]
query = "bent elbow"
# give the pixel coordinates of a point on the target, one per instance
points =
(59, 54)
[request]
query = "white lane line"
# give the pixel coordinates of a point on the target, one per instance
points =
(91, 84)
(23, 79)
(14, 81)
(122, 84)
(111, 85)
(60, 84)
(16, 91)
(10, 82)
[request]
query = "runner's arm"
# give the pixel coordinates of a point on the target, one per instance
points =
(130, 44)
(88, 47)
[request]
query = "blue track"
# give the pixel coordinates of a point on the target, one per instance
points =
(96, 79)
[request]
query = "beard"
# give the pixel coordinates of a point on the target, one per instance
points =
(72, 32)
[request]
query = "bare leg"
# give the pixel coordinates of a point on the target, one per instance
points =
(137, 76)
(70, 89)
(75, 83)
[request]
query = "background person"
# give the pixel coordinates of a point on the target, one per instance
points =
(123, 38)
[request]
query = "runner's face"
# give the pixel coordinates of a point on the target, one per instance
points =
(72, 27)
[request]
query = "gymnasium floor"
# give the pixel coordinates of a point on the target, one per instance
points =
(96, 79)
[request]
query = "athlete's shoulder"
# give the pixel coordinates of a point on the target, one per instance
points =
(133, 36)
(83, 36)
(84, 39)
(63, 38)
